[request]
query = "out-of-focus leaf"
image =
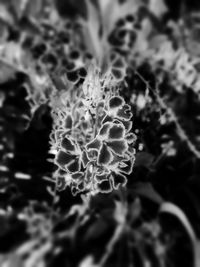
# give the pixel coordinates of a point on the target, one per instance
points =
(96, 229)
(144, 159)
(91, 34)
(88, 261)
(120, 212)
(5, 15)
(146, 190)
(6, 72)
(158, 7)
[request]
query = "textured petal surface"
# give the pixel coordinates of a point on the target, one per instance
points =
(117, 180)
(67, 145)
(127, 167)
(118, 146)
(104, 187)
(68, 122)
(85, 159)
(117, 131)
(63, 159)
(94, 144)
(73, 166)
(104, 129)
(124, 113)
(101, 177)
(115, 102)
(105, 156)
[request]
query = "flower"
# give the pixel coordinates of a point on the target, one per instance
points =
(93, 139)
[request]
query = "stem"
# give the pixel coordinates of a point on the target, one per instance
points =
(110, 246)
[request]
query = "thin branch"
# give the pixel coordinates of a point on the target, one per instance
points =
(180, 131)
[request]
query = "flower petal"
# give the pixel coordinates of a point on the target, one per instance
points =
(127, 125)
(119, 147)
(77, 176)
(94, 145)
(115, 102)
(101, 177)
(127, 166)
(84, 158)
(60, 172)
(58, 135)
(62, 159)
(104, 186)
(104, 129)
(92, 154)
(105, 156)
(89, 172)
(61, 183)
(68, 122)
(74, 166)
(117, 131)
(67, 145)
(124, 113)
(131, 138)
(118, 73)
(107, 118)
(81, 186)
(117, 180)
(74, 190)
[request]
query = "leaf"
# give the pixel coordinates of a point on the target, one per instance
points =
(172, 209)
(120, 212)
(5, 15)
(146, 190)
(88, 261)
(96, 230)
(144, 159)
